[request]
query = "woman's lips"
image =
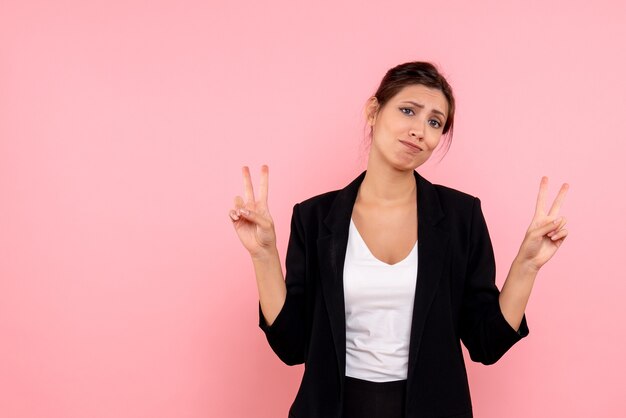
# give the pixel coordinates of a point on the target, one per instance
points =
(411, 147)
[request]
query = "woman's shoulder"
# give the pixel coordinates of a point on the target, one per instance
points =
(451, 194)
(322, 200)
(456, 203)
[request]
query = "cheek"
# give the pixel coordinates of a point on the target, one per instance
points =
(435, 139)
(396, 127)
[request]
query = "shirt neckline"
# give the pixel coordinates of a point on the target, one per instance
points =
(360, 238)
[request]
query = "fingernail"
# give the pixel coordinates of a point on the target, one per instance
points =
(245, 211)
(557, 221)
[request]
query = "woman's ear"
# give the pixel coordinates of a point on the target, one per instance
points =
(371, 109)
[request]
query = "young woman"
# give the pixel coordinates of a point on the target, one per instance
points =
(385, 277)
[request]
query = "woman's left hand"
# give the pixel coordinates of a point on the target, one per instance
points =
(546, 232)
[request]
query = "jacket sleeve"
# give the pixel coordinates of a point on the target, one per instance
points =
(483, 329)
(286, 334)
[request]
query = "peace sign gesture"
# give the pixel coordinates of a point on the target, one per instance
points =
(251, 218)
(545, 233)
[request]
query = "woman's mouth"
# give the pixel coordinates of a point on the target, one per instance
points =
(411, 147)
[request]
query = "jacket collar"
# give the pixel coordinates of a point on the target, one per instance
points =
(432, 248)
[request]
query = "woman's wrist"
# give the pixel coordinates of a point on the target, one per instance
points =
(525, 266)
(265, 255)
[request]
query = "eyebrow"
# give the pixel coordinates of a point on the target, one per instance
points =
(421, 106)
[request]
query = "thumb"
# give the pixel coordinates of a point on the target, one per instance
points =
(255, 218)
(548, 227)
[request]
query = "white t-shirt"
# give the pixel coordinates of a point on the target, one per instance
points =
(379, 308)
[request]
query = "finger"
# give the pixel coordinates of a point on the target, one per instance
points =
(252, 216)
(559, 235)
(556, 205)
(264, 182)
(541, 196)
(548, 227)
(233, 216)
(239, 203)
(247, 184)
(561, 225)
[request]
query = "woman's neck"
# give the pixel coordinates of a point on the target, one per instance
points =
(387, 186)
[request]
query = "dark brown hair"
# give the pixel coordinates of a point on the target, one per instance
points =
(411, 73)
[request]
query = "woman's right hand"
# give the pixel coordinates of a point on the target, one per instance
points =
(251, 218)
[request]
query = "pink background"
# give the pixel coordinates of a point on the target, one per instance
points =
(124, 291)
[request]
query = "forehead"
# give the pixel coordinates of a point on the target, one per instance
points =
(427, 96)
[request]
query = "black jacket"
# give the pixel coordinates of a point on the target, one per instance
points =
(456, 299)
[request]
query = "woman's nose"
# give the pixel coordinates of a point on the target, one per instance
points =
(417, 131)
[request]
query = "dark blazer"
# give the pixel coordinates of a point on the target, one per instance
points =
(456, 299)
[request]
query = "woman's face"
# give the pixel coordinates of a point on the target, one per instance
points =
(408, 128)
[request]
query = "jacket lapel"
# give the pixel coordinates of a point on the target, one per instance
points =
(332, 252)
(332, 247)
(431, 255)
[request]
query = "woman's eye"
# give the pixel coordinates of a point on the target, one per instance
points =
(434, 123)
(402, 109)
